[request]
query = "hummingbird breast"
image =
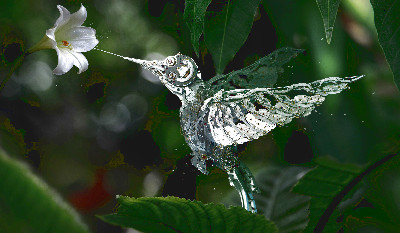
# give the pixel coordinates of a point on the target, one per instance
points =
(194, 127)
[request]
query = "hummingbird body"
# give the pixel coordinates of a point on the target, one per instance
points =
(215, 119)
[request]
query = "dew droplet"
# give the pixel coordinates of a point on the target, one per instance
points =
(328, 33)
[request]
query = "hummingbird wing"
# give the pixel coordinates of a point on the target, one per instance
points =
(241, 115)
(262, 73)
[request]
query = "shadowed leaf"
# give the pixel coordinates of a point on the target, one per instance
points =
(28, 201)
(226, 31)
(328, 9)
(323, 184)
(379, 214)
(387, 23)
(289, 211)
(194, 13)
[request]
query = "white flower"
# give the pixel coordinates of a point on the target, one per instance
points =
(69, 39)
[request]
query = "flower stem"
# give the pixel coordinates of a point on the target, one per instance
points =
(16, 65)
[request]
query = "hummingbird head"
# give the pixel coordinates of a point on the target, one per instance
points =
(178, 73)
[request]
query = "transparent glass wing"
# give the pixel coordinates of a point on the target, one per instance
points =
(242, 115)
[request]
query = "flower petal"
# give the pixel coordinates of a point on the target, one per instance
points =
(63, 19)
(82, 39)
(45, 43)
(78, 17)
(51, 35)
(80, 61)
(65, 61)
(74, 20)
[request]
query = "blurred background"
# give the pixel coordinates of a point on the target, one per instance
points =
(114, 129)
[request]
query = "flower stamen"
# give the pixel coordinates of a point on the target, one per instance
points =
(64, 44)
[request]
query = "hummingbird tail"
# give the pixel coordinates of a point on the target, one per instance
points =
(241, 178)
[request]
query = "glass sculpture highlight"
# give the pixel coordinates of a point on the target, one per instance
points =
(216, 117)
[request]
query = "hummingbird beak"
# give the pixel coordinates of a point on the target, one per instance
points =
(155, 67)
(159, 69)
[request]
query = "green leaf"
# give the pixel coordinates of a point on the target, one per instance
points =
(329, 184)
(328, 9)
(194, 13)
(383, 192)
(263, 73)
(323, 184)
(289, 211)
(172, 214)
(27, 200)
(387, 23)
(226, 31)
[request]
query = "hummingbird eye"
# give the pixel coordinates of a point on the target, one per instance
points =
(185, 70)
(172, 76)
(171, 61)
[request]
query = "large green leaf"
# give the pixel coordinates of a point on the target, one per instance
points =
(30, 205)
(323, 184)
(172, 214)
(289, 211)
(381, 214)
(226, 31)
(328, 9)
(262, 73)
(333, 190)
(387, 23)
(194, 13)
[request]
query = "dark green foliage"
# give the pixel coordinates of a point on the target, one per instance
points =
(29, 205)
(380, 214)
(226, 31)
(322, 184)
(352, 126)
(387, 23)
(328, 9)
(289, 211)
(195, 11)
(172, 214)
(263, 73)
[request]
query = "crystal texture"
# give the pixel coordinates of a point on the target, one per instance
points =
(213, 121)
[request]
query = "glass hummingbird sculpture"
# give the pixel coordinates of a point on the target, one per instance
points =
(228, 110)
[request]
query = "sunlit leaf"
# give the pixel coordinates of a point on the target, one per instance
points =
(328, 9)
(27, 200)
(194, 13)
(172, 214)
(387, 23)
(226, 31)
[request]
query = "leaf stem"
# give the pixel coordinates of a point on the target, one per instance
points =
(338, 198)
(16, 65)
